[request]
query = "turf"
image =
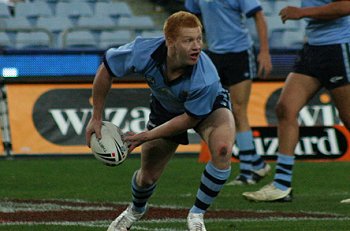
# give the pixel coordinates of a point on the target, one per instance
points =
(318, 188)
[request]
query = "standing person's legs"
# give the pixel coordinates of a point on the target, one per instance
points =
(218, 131)
(250, 161)
(297, 91)
(341, 98)
(155, 155)
(236, 71)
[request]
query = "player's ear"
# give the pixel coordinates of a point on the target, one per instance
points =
(169, 41)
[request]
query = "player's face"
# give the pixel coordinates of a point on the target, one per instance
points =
(188, 45)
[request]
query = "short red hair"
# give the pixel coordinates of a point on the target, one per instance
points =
(181, 19)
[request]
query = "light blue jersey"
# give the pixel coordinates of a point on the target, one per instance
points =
(224, 22)
(194, 92)
(326, 32)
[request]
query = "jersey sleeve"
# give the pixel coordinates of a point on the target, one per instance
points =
(119, 61)
(192, 6)
(250, 7)
(200, 102)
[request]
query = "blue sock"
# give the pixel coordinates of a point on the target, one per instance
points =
(140, 195)
(212, 181)
(257, 162)
(284, 171)
(244, 141)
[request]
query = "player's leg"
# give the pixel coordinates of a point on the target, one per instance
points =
(239, 94)
(297, 91)
(341, 98)
(250, 161)
(218, 131)
(155, 155)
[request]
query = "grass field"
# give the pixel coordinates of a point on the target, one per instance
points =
(318, 189)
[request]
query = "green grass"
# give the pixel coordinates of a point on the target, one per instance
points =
(318, 188)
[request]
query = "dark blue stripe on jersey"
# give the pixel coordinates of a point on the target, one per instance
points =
(213, 179)
(208, 191)
(253, 11)
(201, 205)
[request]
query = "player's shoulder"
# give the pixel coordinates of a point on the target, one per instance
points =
(205, 72)
(148, 44)
(205, 64)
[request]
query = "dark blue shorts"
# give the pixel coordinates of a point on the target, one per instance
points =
(330, 64)
(160, 115)
(234, 68)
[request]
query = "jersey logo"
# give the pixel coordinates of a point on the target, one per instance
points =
(336, 79)
(150, 80)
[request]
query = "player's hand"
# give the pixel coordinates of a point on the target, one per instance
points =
(94, 126)
(134, 140)
(265, 65)
(290, 13)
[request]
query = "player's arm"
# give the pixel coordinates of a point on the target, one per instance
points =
(172, 127)
(101, 86)
(264, 58)
(329, 11)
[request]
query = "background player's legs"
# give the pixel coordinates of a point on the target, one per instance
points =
(249, 160)
(297, 91)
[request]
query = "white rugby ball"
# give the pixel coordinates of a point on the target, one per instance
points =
(111, 148)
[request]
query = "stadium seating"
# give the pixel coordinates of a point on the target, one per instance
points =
(113, 9)
(103, 19)
(268, 7)
(17, 23)
(38, 39)
(79, 39)
(5, 40)
(54, 24)
(73, 9)
(4, 11)
(115, 38)
(152, 34)
(137, 23)
(96, 22)
(33, 9)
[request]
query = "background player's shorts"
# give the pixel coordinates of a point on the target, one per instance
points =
(160, 115)
(234, 68)
(330, 64)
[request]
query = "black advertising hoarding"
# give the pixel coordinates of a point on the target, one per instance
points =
(51, 119)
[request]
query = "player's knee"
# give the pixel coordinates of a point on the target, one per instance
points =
(223, 149)
(283, 111)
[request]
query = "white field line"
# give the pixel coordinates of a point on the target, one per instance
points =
(54, 205)
(162, 221)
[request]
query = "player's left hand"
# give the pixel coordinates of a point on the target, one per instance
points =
(134, 140)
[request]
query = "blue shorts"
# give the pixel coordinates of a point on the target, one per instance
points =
(160, 115)
(234, 68)
(329, 64)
